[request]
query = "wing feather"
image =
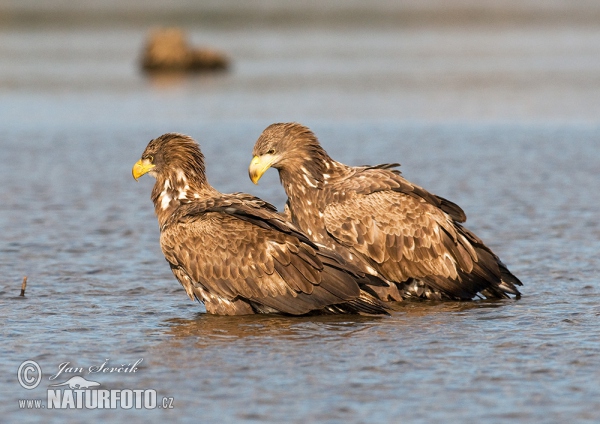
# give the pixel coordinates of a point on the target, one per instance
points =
(394, 229)
(227, 255)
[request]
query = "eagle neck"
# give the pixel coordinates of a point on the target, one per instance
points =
(305, 184)
(175, 189)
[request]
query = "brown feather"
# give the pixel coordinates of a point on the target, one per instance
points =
(233, 252)
(392, 228)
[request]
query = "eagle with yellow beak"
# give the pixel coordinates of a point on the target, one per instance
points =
(380, 222)
(234, 253)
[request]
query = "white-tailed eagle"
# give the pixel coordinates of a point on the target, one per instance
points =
(380, 222)
(234, 253)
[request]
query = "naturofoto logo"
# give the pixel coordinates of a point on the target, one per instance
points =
(78, 392)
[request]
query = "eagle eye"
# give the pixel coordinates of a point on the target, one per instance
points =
(271, 151)
(150, 158)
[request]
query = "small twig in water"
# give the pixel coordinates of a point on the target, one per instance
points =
(23, 286)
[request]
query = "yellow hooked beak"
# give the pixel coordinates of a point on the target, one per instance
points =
(259, 166)
(141, 167)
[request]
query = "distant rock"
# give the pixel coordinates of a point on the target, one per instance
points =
(167, 49)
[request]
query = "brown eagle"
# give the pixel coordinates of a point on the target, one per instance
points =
(233, 252)
(379, 221)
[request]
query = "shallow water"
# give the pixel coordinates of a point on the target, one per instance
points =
(500, 119)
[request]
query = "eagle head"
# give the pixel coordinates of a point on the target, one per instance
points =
(282, 146)
(171, 153)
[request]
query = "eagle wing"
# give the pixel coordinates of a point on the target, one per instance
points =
(406, 232)
(233, 251)
(370, 179)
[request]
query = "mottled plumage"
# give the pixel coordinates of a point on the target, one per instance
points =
(233, 252)
(380, 222)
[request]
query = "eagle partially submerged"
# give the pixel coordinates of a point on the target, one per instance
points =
(233, 252)
(379, 221)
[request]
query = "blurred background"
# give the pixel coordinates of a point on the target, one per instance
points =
(403, 60)
(493, 104)
(67, 65)
(410, 60)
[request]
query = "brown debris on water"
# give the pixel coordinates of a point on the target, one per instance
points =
(167, 49)
(23, 286)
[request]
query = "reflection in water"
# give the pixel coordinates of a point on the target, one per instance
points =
(173, 79)
(206, 327)
(164, 80)
(343, 366)
(413, 307)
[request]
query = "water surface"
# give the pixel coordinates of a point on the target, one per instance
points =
(500, 118)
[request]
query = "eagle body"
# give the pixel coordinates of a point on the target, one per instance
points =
(234, 253)
(381, 222)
